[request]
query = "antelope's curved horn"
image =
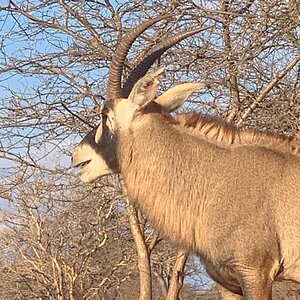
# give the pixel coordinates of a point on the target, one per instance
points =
(114, 90)
(157, 51)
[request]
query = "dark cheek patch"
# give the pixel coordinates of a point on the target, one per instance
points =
(90, 139)
(107, 148)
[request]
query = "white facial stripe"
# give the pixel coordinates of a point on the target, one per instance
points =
(98, 133)
(97, 166)
(111, 121)
(95, 169)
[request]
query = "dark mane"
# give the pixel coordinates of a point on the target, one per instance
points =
(221, 132)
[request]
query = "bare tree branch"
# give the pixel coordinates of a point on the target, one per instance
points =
(176, 281)
(143, 255)
(232, 68)
(268, 88)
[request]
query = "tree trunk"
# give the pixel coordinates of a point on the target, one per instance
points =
(143, 255)
(176, 281)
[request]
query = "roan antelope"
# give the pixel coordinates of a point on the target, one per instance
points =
(236, 206)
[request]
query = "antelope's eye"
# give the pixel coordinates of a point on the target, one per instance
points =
(103, 114)
(104, 111)
(103, 119)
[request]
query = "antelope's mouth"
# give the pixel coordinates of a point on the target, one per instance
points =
(83, 164)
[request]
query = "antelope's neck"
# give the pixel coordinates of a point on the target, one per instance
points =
(161, 174)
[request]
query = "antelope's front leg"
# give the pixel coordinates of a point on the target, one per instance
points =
(227, 295)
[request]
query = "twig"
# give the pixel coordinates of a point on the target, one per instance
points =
(142, 253)
(176, 281)
(268, 88)
(78, 117)
(235, 96)
(86, 24)
(45, 24)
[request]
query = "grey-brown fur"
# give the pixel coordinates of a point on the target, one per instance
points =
(183, 183)
(235, 205)
(209, 128)
(237, 208)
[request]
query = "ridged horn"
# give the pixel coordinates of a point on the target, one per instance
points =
(156, 52)
(114, 90)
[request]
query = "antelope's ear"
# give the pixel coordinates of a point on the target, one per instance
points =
(145, 89)
(176, 96)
